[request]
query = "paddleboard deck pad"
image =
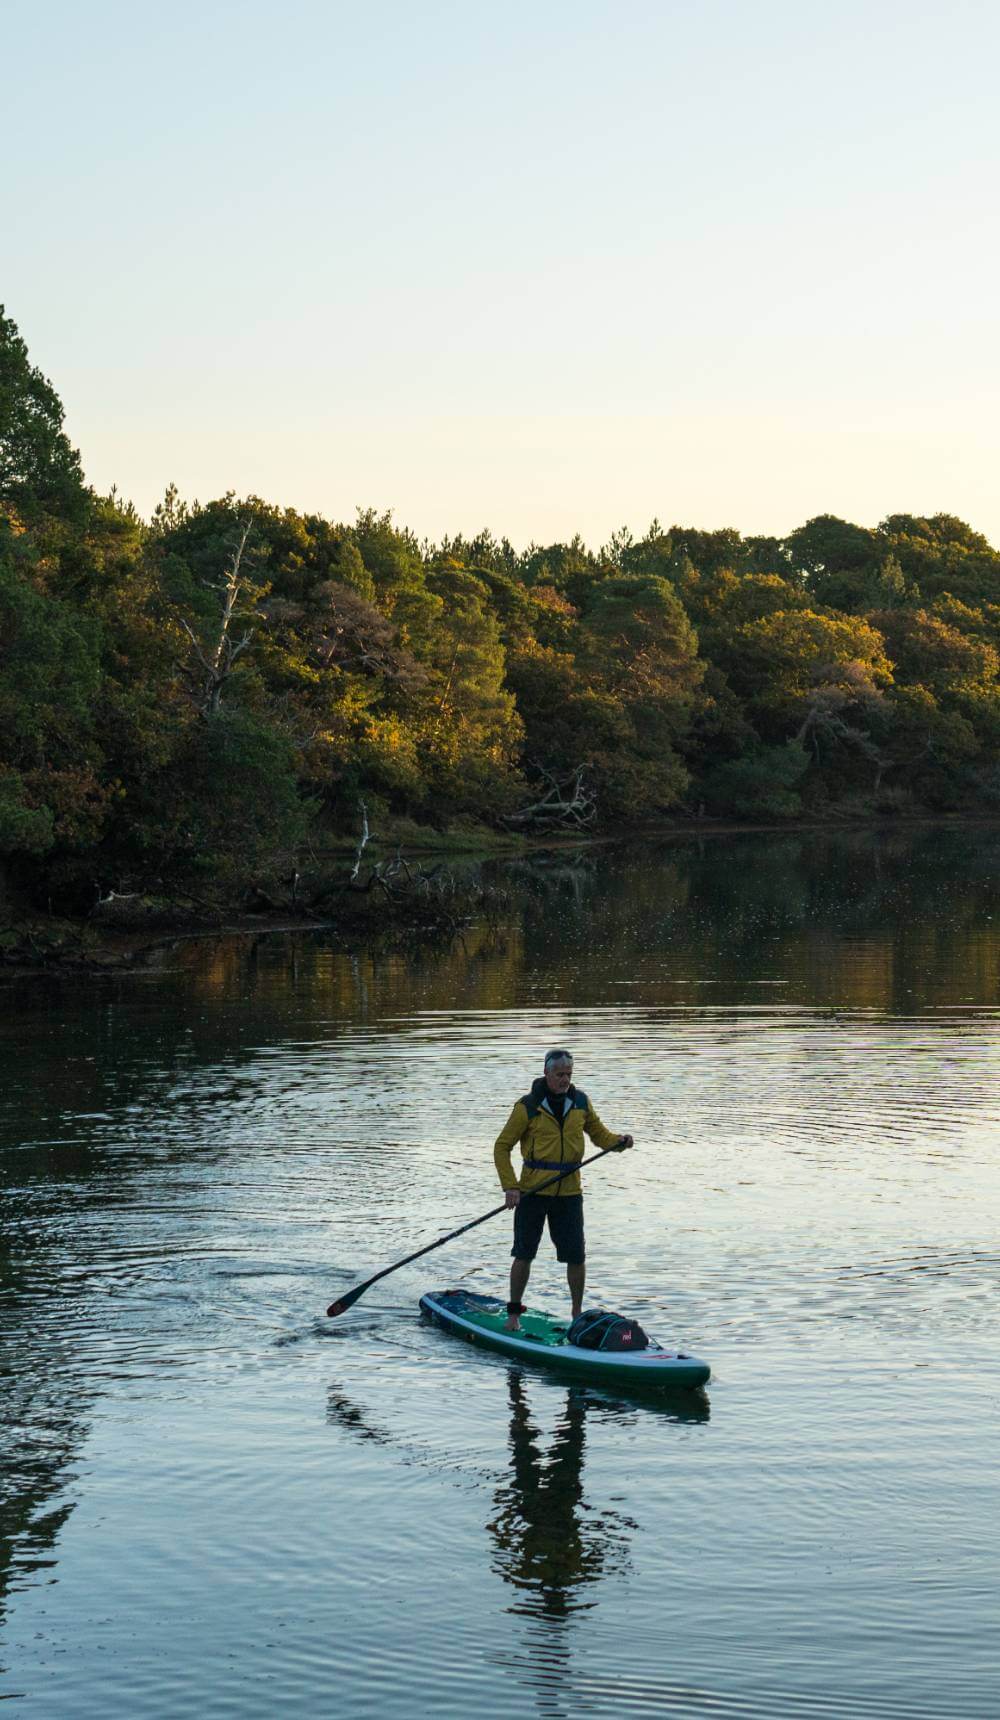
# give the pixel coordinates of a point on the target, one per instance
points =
(542, 1338)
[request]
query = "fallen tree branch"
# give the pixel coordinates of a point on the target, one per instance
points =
(567, 800)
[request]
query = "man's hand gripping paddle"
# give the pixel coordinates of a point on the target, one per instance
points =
(341, 1305)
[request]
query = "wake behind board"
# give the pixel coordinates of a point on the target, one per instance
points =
(542, 1338)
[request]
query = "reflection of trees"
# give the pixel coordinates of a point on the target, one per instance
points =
(475, 969)
(873, 919)
(33, 1507)
(548, 877)
(41, 1401)
(43, 1437)
(134, 1094)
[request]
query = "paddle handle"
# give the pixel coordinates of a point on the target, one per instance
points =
(341, 1305)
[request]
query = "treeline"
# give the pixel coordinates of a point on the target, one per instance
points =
(199, 695)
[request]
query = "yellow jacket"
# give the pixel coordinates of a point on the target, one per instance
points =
(547, 1142)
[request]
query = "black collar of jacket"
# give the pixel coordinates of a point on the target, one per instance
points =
(540, 1091)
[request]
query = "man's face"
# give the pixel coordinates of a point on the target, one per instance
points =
(558, 1077)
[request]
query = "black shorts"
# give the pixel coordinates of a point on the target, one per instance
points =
(565, 1215)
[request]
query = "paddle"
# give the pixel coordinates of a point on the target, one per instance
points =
(351, 1296)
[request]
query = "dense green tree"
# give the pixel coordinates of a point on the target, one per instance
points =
(393, 557)
(708, 551)
(724, 599)
(769, 555)
(927, 650)
(777, 662)
(39, 470)
(50, 753)
(229, 801)
(639, 617)
(836, 559)
(618, 703)
(652, 555)
(982, 622)
(889, 588)
(762, 783)
(483, 554)
(470, 726)
(942, 555)
(569, 569)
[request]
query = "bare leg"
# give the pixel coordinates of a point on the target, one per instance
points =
(576, 1278)
(520, 1272)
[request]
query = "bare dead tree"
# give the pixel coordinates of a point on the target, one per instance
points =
(217, 665)
(363, 843)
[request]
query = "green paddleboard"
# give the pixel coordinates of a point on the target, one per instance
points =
(543, 1338)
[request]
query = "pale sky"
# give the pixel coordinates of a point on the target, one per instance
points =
(548, 267)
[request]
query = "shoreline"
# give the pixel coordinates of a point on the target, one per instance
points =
(53, 946)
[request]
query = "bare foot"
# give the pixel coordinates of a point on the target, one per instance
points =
(513, 1324)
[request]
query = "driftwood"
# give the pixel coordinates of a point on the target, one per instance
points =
(396, 880)
(567, 801)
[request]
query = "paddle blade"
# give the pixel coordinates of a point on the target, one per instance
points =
(347, 1300)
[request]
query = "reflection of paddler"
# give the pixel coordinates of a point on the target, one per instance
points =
(542, 1544)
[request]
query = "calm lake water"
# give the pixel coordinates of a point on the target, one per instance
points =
(219, 1503)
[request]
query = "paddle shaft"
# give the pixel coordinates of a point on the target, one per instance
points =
(341, 1305)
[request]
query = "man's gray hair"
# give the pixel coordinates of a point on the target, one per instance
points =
(557, 1056)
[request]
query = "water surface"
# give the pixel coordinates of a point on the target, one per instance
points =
(218, 1502)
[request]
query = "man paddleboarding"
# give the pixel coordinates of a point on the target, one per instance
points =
(549, 1123)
